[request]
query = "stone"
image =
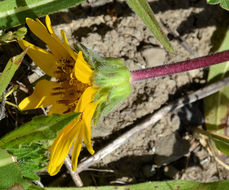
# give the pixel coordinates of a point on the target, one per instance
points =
(153, 56)
(170, 148)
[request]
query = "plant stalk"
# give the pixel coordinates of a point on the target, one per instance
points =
(182, 66)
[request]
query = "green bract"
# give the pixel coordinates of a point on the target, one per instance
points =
(113, 79)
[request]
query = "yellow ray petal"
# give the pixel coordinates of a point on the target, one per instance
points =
(61, 147)
(64, 38)
(41, 32)
(41, 97)
(65, 43)
(55, 162)
(77, 146)
(58, 109)
(51, 31)
(37, 20)
(45, 60)
(62, 133)
(49, 24)
(67, 46)
(86, 98)
(82, 70)
(87, 117)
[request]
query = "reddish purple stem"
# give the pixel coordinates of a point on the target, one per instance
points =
(180, 66)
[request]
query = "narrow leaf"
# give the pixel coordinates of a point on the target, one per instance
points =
(164, 185)
(143, 10)
(9, 172)
(40, 128)
(213, 1)
(13, 12)
(9, 70)
(221, 141)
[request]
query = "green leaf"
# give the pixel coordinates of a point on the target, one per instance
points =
(221, 141)
(164, 185)
(40, 128)
(14, 12)
(12, 36)
(9, 70)
(213, 1)
(31, 159)
(223, 3)
(9, 172)
(216, 106)
(143, 10)
(34, 187)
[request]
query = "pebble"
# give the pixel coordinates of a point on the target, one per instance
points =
(170, 148)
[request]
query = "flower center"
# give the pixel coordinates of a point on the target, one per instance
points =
(70, 88)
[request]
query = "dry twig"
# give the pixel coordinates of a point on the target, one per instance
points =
(75, 177)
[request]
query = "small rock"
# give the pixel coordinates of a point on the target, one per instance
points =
(170, 148)
(154, 56)
(175, 122)
(193, 173)
(182, 79)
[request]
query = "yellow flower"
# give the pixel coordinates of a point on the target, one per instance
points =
(89, 87)
(72, 91)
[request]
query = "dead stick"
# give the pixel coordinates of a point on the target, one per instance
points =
(38, 183)
(152, 119)
(75, 177)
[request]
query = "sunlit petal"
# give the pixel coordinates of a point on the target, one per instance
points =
(61, 147)
(52, 33)
(41, 32)
(67, 46)
(62, 134)
(49, 24)
(41, 97)
(82, 70)
(38, 55)
(58, 109)
(64, 37)
(86, 98)
(87, 117)
(77, 146)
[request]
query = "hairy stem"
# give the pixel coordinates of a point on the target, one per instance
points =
(180, 66)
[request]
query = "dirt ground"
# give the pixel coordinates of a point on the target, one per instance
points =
(167, 150)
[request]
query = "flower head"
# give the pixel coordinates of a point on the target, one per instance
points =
(89, 88)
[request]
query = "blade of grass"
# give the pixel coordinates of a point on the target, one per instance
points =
(221, 141)
(143, 10)
(13, 12)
